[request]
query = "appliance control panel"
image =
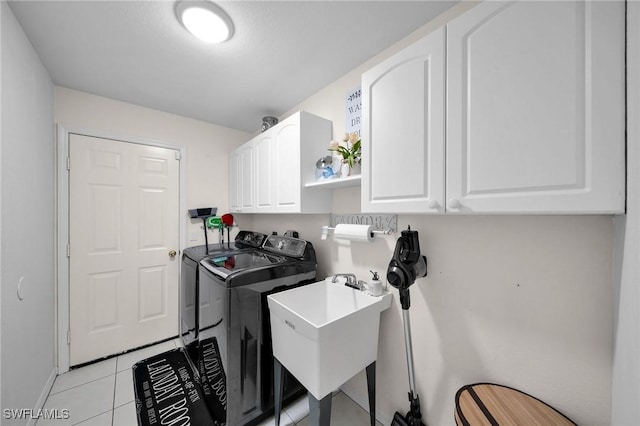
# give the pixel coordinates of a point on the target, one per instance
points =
(288, 246)
(250, 239)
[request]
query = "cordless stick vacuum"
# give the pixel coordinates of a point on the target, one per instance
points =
(406, 265)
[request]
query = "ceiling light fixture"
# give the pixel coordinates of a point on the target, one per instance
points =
(205, 20)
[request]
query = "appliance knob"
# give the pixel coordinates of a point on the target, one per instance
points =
(454, 203)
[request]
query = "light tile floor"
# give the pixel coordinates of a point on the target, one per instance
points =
(101, 394)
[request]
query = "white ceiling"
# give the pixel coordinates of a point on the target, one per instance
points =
(281, 53)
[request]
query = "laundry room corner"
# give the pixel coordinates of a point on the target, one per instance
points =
(27, 332)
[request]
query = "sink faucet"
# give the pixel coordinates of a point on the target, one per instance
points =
(352, 281)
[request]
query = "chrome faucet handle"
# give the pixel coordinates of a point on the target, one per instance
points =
(351, 279)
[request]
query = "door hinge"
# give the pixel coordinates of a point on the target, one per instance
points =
(68, 163)
(178, 155)
(68, 250)
(68, 337)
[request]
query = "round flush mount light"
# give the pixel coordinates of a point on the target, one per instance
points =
(205, 20)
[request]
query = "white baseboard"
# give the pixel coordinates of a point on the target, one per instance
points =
(43, 395)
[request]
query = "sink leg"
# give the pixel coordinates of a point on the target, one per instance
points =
(278, 383)
(371, 388)
(320, 411)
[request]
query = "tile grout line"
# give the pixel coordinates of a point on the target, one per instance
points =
(102, 377)
(115, 386)
(89, 418)
(113, 399)
(77, 386)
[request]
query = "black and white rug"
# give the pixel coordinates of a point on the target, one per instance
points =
(168, 393)
(212, 378)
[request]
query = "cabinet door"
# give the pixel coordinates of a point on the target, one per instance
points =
(234, 180)
(247, 178)
(264, 182)
(403, 130)
(535, 108)
(286, 140)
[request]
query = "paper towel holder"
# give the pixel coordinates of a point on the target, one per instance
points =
(327, 228)
(385, 224)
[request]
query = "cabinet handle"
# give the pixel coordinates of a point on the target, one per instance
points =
(433, 204)
(454, 203)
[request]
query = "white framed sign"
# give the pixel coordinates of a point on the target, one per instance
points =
(353, 107)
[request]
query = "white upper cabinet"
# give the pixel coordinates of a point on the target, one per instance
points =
(535, 108)
(241, 179)
(287, 140)
(234, 181)
(247, 177)
(283, 160)
(534, 114)
(403, 130)
(264, 179)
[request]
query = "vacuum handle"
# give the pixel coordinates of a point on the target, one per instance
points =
(409, 350)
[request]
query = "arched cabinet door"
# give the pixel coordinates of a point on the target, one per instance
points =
(535, 108)
(241, 179)
(403, 107)
(264, 169)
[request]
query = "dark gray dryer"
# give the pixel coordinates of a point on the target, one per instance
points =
(189, 300)
(235, 356)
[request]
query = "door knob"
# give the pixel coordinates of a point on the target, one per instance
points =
(172, 253)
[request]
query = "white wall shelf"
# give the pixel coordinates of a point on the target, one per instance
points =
(336, 183)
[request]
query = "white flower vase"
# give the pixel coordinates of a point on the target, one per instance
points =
(356, 169)
(345, 170)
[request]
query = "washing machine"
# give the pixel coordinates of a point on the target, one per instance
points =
(234, 351)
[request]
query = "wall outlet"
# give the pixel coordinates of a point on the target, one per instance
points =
(194, 236)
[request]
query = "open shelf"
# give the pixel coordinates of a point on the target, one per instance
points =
(336, 183)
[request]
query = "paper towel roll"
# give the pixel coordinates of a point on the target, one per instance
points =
(350, 232)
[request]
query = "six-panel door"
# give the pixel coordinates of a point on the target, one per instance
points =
(123, 246)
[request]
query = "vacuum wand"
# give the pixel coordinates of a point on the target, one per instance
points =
(406, 265)
(414, 416)
(409, 347)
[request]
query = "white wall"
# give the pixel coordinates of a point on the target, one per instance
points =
(206, 145)
(525, 301)
(1, 14)
(521, 300)
(27, 221)
(626, 361)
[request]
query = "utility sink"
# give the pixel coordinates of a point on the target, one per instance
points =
(325, 333)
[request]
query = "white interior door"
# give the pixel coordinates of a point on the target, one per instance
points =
(124, 231)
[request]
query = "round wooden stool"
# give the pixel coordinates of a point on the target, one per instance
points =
(486, 404)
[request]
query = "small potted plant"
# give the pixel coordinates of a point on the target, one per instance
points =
(350, 152)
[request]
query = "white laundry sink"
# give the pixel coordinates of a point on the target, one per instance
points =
(325, 333)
